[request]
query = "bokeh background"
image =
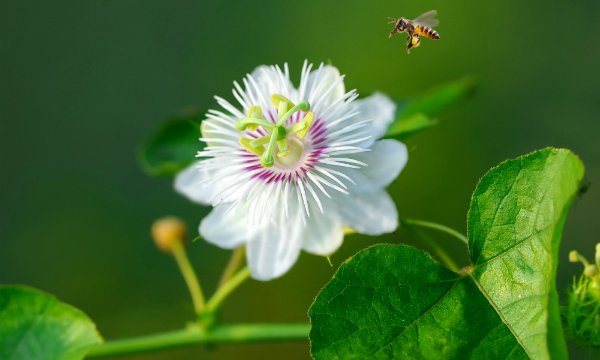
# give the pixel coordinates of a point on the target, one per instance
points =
(82, 83)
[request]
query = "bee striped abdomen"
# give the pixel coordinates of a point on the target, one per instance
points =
(427, 32)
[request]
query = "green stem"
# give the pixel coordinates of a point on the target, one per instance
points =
(226, 289)
(221, 334)
(233, 265)
(190, 278)
(437, 249)
(438, 227)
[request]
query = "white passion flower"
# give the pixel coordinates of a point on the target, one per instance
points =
(289, 168)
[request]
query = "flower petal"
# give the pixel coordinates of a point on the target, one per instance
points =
(189, 183)
(226, 229)
(324, 234)
(322, 87)
(274, 248)
(269, 80)
(371, 214)
(380, 109)
(384, 162)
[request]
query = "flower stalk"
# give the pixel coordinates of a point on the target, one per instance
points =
(189, 275)
(237, 257)
(226, 289)
(195, 335)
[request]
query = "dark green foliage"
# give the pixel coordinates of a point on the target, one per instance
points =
(391, 302)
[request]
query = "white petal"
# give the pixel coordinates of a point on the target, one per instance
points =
(323, 86)
(384, 162)
(189, 182)
(378, 108)
(275, 247)
(271, 80)
(226, 229)
(370, 213)
(324, 234)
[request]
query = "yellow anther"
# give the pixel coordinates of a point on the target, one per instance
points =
(247, 144)
(301, 128)
(254, 112)
(282, 109)
(277, 100)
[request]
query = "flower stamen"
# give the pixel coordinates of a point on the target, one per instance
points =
(277, 140)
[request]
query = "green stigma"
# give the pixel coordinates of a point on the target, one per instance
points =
(281, 143)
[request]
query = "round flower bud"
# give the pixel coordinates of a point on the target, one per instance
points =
(168, 232)
(573, 256)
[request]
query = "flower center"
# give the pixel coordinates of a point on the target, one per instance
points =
(295, 151)
(281, 144)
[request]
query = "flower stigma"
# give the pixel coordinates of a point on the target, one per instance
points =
(282, 142)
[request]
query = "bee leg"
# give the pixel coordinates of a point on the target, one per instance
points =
(409, 43)
(393, 32)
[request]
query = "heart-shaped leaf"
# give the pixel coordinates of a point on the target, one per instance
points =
(395, 302)
(35, 325)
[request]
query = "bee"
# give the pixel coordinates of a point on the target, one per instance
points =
(421, 26)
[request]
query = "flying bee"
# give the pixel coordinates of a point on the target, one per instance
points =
(421, 26)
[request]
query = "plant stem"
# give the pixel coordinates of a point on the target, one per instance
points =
(220, 334)
(437, 249)
(233, 265)
(226, 289)
(190, 277)
(438, 227)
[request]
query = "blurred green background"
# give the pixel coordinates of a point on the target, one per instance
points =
(82, 83)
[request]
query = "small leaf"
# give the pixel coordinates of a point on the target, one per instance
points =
(173, 146)
(390, 302)
(36, 325)
(418, 114)
(409, 126)
(440, 98)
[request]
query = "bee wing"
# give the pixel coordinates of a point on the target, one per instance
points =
(428, 19)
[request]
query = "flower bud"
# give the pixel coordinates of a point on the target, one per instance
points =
(168, 232)
(573, 256)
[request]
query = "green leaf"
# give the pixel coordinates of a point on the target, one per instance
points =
(395, 302)
(408, 126)
(36, 325)
(419, 114)
(173, 146)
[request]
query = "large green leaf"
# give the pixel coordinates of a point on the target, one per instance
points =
(36, 325)
(418, 114)
(391, 302)
(173, 146)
